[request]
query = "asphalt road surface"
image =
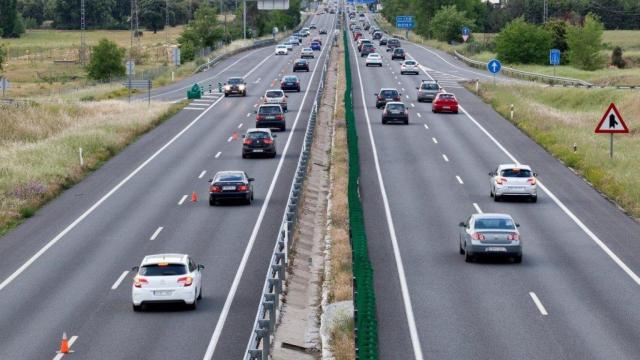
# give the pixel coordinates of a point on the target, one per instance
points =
(574, 295)
(65, 269)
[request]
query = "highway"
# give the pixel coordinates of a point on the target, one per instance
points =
(574, 295)
(68, 268)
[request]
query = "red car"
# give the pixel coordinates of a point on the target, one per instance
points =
(445, 102)
(357, 35)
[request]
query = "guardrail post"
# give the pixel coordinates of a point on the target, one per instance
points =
(276, 284)
(511, 108)
(255, 354)
(264, 333)
(279, 270)
(269, 305)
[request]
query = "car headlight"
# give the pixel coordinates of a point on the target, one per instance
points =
(241, 87)
(227, 87)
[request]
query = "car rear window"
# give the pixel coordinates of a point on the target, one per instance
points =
(235, 81)
(163, 269)
(490, 224)
(521, 173)
(374, 55)
(408, 62)
(301, 61)
(446, 97)
(229, 177)
(388, 93)
(258, 135)
(274, 94)
(399, 51)
(269, 110)
(395, 107)
(290, 79)
(430, 86)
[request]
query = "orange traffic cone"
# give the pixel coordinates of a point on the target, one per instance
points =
(64, 344)
(194, 196)
(234, 135)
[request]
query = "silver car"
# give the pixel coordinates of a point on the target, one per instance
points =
(306, 53)
(428, 90)
(490, 234)
(275, 96)
(513, 180)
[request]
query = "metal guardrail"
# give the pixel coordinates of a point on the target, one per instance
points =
(549, 79)
(259, 346)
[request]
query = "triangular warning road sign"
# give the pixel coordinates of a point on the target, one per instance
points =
(612, 122)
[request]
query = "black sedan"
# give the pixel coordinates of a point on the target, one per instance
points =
(235, 85)
(398, 54)
(300, 65)
(259, 142)
(395, 111)
(290, 82)
(230, 185)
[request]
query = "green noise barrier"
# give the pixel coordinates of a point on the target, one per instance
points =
(364, 298)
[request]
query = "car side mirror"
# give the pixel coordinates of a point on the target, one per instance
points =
(200, 266)
(274, 136)
(244, 136)
(135, 269)
(255, 111)
(376, 94)
(462, 224)
(491, 173)
(535, 174)
(517, 225)
(417, 88)
(286, 96)
(210, 180)
(251, 179)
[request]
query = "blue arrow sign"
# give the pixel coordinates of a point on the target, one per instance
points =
(554, 57)
(466, 31)
(494, 66)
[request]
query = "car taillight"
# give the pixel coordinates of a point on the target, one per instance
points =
(397, 98)
(259, 117)
(279, 117)
(247, 141)
(242, 188)
(513, 237)
(138, 281)
(268, 141)
(531, 181)
(185, 281)
(477, 236)
(501, 180)
(216, 188)
(384, 112)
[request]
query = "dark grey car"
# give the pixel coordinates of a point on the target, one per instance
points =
(259, 142)
(490, 234)
(230, 185)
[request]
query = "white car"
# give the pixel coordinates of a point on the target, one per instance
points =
(282, 50)
(373, 59)
(288, 45)
(275, 96)
(513, 180)
(166, 278)
(409, 67)
(306, 53)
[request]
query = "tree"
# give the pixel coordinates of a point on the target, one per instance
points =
(203, 31)
(585, 44)
(448, 22)
(153, 14)
(616, 58)
(523, 43)
(10, 21)
(107, 61)
(558, 31)
(3, 55)
(98, 14)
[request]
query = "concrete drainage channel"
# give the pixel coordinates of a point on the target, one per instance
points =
(260, 341)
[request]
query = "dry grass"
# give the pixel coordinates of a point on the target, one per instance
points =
(342, 341)
(39, 147)
(559, 117)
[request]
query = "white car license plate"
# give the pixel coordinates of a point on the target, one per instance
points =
(496, 249)
(446, 107)
(228, 188)
(162, 292)
(258, 150)
(270, 117)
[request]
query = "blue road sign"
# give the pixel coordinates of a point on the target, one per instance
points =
(405, 22)
(554, 57)
(494, 66)
(466, 31)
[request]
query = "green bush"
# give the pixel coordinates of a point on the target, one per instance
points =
(585, 44)
(523, 43)
(448, 22)
(107, 61)
(616, 58)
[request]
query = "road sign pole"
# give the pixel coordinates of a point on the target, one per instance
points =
(611, 146)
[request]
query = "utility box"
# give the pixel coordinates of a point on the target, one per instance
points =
(195, 92)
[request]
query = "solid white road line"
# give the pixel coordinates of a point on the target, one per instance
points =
(215, 337)
(193, 108)
(184, 197)
(218, 154)
(445, 157)
(538, 303)
(404, 288)
(202, 174)
(459, 179)
(435, 141)
(478, 210)
(562, 206)
(156, 233)
(117, 283)
(71, 341)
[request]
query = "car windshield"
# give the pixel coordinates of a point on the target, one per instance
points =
(282, 46)
(395, 107)
(388, 93)
(519, 173)
(307, 49)
(274, 94)
(230, 177)
(301, 61)
(290, 79)
(235, 81)
(447, 97)
(399, 51)
(269, 110)
(258, 135)
(367, 45)
(494, 224)
(430, 86)
(163, 269)
(409, 62)
(374, 56)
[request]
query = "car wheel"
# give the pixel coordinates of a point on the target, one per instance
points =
(455, 112)
(517, 259)
(213, 202)
(137, 308)
(247, 201)
(283, 128)
(367, 65)
(534, 199)
(200, 293)
(491, 193)
(497, 198)
(433, 111)
(406, 122)
(244, 93)
(226, 95)
(244, 156)
(273, 155)
(468, 257)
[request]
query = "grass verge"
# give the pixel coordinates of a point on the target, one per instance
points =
(558, 118)
(340, 288)
(39, 147)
